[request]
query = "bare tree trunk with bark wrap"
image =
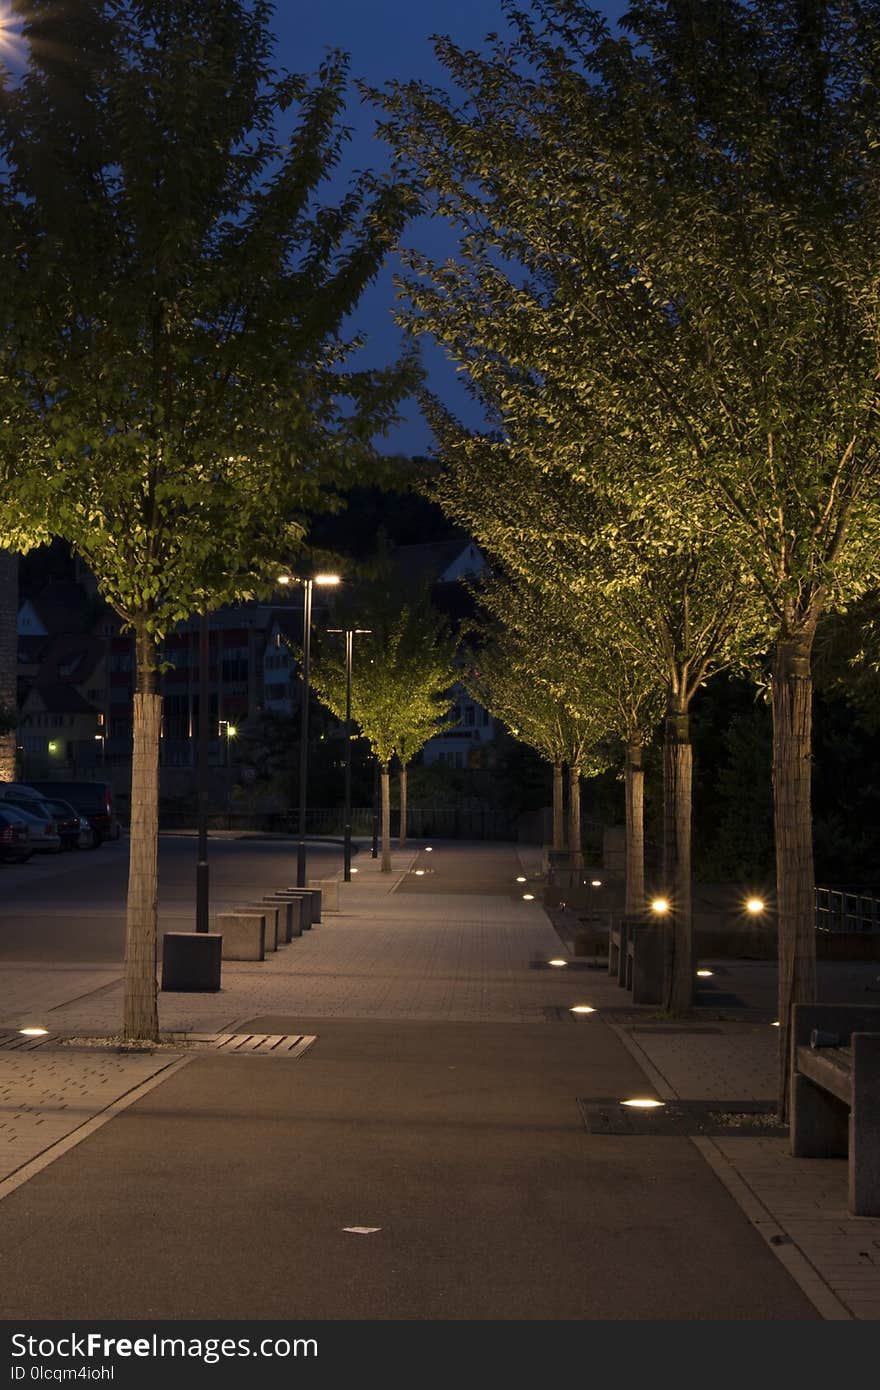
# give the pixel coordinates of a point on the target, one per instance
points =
(634, 778)
(795, 877)
(558, 807)
(8, 662)
(678, 982)
(386, 819)
(574, 817)
(401, 839)
(140, 1012)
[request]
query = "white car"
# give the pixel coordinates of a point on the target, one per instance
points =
(43, 837)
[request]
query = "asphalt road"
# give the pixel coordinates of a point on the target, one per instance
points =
(70, 907)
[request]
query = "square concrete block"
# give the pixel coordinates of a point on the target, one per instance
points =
(191, 962)
(289, 919)
(304, 898)
(315, 895)
(243, 933)
(329, 893)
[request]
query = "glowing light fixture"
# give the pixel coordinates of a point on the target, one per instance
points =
(34, 1032)
(643, 1104)
(521, 878)
(354, 871)
(775, 1023)
(419, 873)
(327, 579)
(754, 906)
(660, 905)
(557, 963)
(595, 883)
(53, 745)
(429, 849)
(528, 897)
(582, 1009)
(705, 973)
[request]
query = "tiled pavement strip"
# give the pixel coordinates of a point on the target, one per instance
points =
(378, 958)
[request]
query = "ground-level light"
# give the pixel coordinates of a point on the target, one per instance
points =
(582, 1009)
(528, 897)
(557, 963)
(639, 1103)
(660, 905)
(34, 1032)
(704, 974)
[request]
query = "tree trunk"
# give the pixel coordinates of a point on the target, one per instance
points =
(141, 1015)
(386, 819)
(678, 982)
(8, 663)
(634, 896)
(795, 879)
(574, 817)
(401, 839)
(558, 808)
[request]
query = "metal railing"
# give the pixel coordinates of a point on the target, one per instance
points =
(840, 911)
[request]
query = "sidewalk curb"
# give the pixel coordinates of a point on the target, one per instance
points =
(789, 1254)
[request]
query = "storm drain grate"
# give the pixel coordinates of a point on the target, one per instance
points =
(682, 1119)
(15, 1042)
(663, 1028)
(242, 1044)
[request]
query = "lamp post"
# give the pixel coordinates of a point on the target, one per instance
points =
(322, 579)
(349, 633)
(202, 875)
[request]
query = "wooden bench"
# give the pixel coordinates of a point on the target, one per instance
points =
(835, 1093)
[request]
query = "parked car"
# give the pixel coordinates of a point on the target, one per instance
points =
(42, 829)
(74, 829)
(14, 841)
(94, 800)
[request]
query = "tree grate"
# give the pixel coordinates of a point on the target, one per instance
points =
(683, 1119)
(13, 1041)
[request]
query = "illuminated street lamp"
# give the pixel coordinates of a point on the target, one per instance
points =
(329, 580)
(349, 634)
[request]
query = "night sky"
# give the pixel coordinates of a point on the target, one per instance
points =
(388, 39)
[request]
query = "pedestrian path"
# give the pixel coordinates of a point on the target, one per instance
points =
(440, 1103)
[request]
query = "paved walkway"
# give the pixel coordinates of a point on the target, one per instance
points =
(443, 1102)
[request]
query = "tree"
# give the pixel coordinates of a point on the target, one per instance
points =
(175, 333)
(561, 645)
(694, 205)
(8, 663)
(400, 685)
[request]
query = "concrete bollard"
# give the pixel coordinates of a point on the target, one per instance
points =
(315, 896)
(244, 934)
(289, 920)
(329, 893)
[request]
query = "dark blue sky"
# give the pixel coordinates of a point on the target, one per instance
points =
(389, 39)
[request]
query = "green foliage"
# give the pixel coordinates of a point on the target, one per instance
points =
(174, 369)
(402, 673)
(667, 266)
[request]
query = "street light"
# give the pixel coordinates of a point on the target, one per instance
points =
(349, 633)
(322, 579)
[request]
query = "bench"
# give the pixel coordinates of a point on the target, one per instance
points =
(835, 1093)
(635, 956)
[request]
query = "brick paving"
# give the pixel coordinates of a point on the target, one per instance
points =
(381, 957)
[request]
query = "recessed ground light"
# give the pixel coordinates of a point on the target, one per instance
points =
(754, 906)
(639, 1104)
(582, 1009)
(521, 878)
(429, 849)
(557, 963)
(660, 905)
(354, 871)
(34, 1032)
(775, 1023)
(419, 873)
(528, 897)
(595, 883)
(705, 973)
